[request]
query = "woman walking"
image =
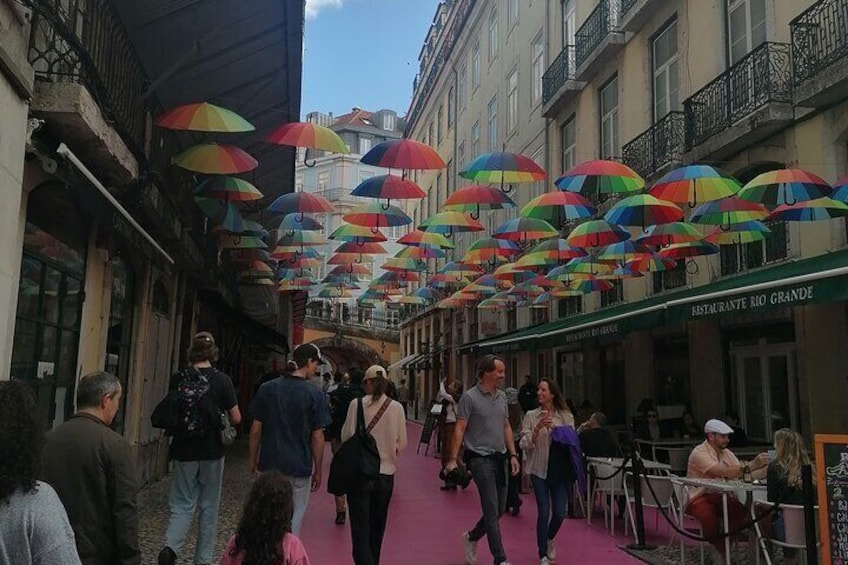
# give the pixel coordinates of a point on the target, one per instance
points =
(368, 503)
(548, 463)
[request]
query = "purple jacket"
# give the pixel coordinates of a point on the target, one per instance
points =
(567, 435)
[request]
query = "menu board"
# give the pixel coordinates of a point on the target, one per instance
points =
(832, 484)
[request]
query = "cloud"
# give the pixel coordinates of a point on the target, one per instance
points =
(315, 6)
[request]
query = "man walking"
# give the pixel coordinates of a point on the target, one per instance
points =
(287, 434)
(482, 426)
(527, 395)
(403, 397)
(92, 469)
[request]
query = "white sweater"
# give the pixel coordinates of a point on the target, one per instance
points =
(389, 433)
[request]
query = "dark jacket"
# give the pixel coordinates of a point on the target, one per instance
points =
(92, 469)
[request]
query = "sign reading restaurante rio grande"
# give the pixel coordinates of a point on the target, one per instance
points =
(773, 298)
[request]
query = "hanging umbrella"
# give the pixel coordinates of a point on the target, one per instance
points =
(840, 190)
(421, 253)
(533, 261)
(727, 211)
(308, 135)
(785, 186)
(510, 272)
(600, 178)
(596, 233)
(241, 242)
(344, 258)
(375, 216)
(583, 267)
(557, 249)
(257, 269)
(230, 189)
(419, 238)
(203, 116)
(523, 230)
(651, 264)
(223, 213)
(667, 234)
(449, 223)
(368, 248)
(485, 284)
(357, 235)
(684, 250)
(422, 296)
(497, 247)
(248, 255)
(643, 210)
(444, 280)
(301, 239)
(300, 262)
(249, 227)
(388, 188)
(503, 167)
(476, 197)
(214, 159)
(735, 234)
(291, 223)
(493, 304)
(559, 207)
(403, 154)
(624, 251)
(403, 264)
(695, 184)
(585, 286)
(460, 270)
(299, 283)
(300, 203)
(306, 252)
(810, 211)
(622, 272)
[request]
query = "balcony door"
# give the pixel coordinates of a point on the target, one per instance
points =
(569, 22)
(746, 25)
(666, 76)
(766, 389)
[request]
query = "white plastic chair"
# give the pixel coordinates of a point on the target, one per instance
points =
(607, 487)
(679, 500)
(678, 458)
(663, 489)
(794, 529)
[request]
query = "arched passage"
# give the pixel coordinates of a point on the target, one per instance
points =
(345, 353)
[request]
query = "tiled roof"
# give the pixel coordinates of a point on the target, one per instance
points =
(357, 117)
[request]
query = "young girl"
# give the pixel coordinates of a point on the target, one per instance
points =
(264, 532)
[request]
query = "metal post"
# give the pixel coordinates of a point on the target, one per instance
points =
(638, 471)
(809, 514)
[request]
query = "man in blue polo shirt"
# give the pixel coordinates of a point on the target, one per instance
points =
(287, 435)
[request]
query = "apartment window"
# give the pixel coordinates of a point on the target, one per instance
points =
(493, 34)
(672, 278)
(451, 107)
(612, 296)
(738, 258)
(609, 120)
(538, 54)
(438, 191)
(439, 123)
(570, 306)
(539, 316)
(323, 181)
(389, 122)
(512, 102)
(492, 124)
(364, 145)
(475, 65)
(746, 26)
(511, 13)
(569, 22)
(568, 143)
(665, 63)
(475, 139)
(462, 88)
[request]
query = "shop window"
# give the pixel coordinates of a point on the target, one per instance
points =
(119, 337)
(612, 296)
(570, 306)
(738, 258)
(511, 319)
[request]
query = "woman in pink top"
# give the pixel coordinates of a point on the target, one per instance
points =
(264, 532)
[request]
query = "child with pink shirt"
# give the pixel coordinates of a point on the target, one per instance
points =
(264, 532)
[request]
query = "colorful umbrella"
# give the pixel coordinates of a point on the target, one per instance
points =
(559, 207)
(214, 159)
(477, 197)
(203, 116)
(622, 272)
(332, 292)
(421, 253)
(510, 272)
(257, 269)
(586, 286)
(419, 238)
(785, 186)
(504, 168)
(350, 269)
(229, 189)
(667, 234)
(523, 230)
(297, 222)
(443, 280)
(403, 154)
(309, 135)
(367, 247)
(357, 234)
(241, 242)
(727, 211)
(684, 250)
(735, 234)
(422, 295)
(643, 210)
(590, 266)
(223, 213)
(497, 247)
(651, 264)
(460, 269)
(810, 211)
(401, 264)
(388, 188)
(624, 251)
(449, 223)
(249, 227)
(840, 190)
(695, 184)
(300, 203)
(600, 177)
(301, 239)
(375, 216)
(596, 233)
(557, 249)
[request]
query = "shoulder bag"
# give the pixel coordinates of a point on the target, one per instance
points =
(358, 459)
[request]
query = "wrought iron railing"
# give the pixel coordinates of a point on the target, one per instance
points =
(601, 22)
(819, 38)
(356, 318)
(84, 41)
(763, 76)
(626, 5)
(660, 145)
(673, 278)
(742, 257)
(560, 71)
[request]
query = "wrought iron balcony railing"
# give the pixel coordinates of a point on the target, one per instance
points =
(819, 38)
(356, 318)
(560, 71)
(673, 278)
(660, 145)
(763, 76)
(601, 22)
(626, 5)
(84, 41)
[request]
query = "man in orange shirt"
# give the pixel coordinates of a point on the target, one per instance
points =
(712, 460)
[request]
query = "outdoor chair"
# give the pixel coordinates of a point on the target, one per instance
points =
(678, 458)
(607, 488)
(662, 487)
(679, 500)
(794, 529)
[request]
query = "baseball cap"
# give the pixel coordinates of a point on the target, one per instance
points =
(375, 371)
(717, 427)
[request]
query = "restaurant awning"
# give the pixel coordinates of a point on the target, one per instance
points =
(400, 364)
(823, 278)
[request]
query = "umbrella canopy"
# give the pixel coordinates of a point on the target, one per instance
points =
(525, 229)
(785, 186)
(446, 279)
(241, 242)
(357, 234)
(332, 292)
(683, 250)
(214, 159)
(585, 286)
(810, 211)
(350, 269)
(643, 210)
(257, 269)
(388, 187)
(731, 210)
(600, 177)
(596, 233)
(460, 269)
(735, 234)
(557, 249)
(624, 251)
(403, 154)
(651, 264)
(477, 197)
(840, 190)
(401, 264)
(511, 272)
(222, 213)
(449, 223)
(503, 167)
(203, 116)
(249, 227)
(485, 284)
(419, 238)
(583, 267)
(375, 216)
(230, 189)
(344, 258)
(368, 247)
(667, 234)
(695, 184)
(497, 247)
(309, 135)
(559, 207)
(421, 253)
(297, 222)
(300, 203)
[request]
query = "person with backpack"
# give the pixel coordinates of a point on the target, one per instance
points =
(340, 399)
(202, 394)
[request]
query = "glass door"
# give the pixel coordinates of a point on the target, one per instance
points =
(765, 379)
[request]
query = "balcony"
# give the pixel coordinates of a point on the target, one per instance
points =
(819, 44)
(598, 40)
(559, 85)
(747, 103)
(91, 85)
(659, 148)
(635, 13)
(354, 322)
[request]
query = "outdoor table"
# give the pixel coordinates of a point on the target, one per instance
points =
(725, 487)
(666, 443)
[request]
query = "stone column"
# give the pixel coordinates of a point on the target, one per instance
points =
(706, 369)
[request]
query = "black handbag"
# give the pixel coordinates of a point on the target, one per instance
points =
(358, 459)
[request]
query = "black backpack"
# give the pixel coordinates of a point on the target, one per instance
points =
(189, 410)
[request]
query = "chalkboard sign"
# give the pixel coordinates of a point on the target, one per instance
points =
(427, 431)
(832, 483)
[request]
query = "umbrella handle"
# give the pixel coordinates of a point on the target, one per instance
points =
(289, 233)
(375, 230)
(475, 215)
(723, 226)
(450, 233)
(387, 205)
(358, 261)
(786, 200)
(306, 162)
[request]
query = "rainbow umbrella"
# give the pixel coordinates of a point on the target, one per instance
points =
(727, 211)
(542, 301)
(419, 238)
(534, 261)
(344, 258)
(300, 262)
(785, 186)
(583, 267)
(543, 282)
(460, 269)
(557, 249)
(492, 304)
(504, 168)
(559, 207)
(334, 292)
(309, 135)
(307, 253)
(350, 269)
(497, 247)
(444, 280)
(249, 227)
(477, 197)
(622, 272)
(248, 255)
(684, 250)
(735, 234)
(421, 253)
(229, 189)
(357, 234)
(401, 264)
(565, 292)
(840, 190)
(510, 272)
(403, 154)
(257, 269)
(222, 213)
(295, 284)
(485, 284)
(599, 177)
(301, 239)
(300, 203)
(375, 216)
(596, 233)
(667, 234)
(241, 242)
(810, 211)
(522, 230)
(388, 188)
(643, 210)
(585, 286)
(651, 264)
(203, 116)
(695, 184)
(449, 223)
(214, 159)
(367, 247)
(624, 251)
(291, 223)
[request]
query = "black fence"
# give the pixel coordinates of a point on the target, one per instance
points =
(660, 145)
(601, 22)
(626, 5)
(560, 71)
(819, 38)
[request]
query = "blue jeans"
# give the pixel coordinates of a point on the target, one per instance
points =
(301, 487)
(491, 485)
(551, 500)
(195, 483)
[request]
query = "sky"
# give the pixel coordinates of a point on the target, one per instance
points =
(362, 53)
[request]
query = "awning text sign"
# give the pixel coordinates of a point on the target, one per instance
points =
(592, 332)
(772, 298)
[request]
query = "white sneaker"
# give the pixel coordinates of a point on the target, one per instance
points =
(470, 549)
(545, 561)
(551, 551)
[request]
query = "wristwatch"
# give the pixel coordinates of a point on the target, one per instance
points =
(511, 455)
